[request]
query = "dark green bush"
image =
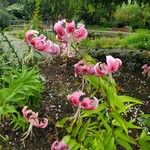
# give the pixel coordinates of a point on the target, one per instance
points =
(5, 19)
(101, 43)
(17, 10)
(130, 14)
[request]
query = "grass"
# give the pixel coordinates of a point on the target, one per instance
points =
(97, 28)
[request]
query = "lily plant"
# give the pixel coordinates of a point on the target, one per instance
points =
(99, 120)
(32, 118)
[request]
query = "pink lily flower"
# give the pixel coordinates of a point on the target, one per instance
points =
(146, 70)
(74, 98)
(59, 146)
(59, 28)
(81, 69)
(40, 43)
(29, 35)
(70, 27)
(53, 49)
(89, 104)
(84, 103)
(101, 69)
(80, 33)
(32, 118)
(68, 33)
(113, 65)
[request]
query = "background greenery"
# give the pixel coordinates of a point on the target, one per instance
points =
(107, 13)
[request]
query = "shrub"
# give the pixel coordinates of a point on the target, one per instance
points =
(146, 20)
(102, 43)
(19, 88)
(139, 40)
(130, 14)
(4, 19)
(16, 10)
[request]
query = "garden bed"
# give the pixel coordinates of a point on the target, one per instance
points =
(59, 81)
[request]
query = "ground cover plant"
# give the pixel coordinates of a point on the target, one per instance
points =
(137, 40)
(100, 117)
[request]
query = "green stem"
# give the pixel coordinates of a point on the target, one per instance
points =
(76, 51)
(76, 116)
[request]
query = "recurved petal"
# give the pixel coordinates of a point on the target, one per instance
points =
(70, 27)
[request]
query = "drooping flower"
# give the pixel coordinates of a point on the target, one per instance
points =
(81, 69)
(113, 65)
(89, 104)
(146, 70)
(101, 69)
(30, 35)
(54, 49)
(74, 98)
(32, 118)
(59, 145)
(40, 43)
(77, 99)
(80, 33)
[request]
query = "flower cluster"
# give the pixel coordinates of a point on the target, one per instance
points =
(32, 118)
(67, 33)
(59, 146)
(86, 103)
(81, 69)
(100, 69)
(40, 43)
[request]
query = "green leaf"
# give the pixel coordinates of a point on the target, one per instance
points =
(98, 145)
(89, 113)
(88, 59)
(104, 121)
(73, 145)
(130, 99)
(61, 123)
(66, 138)
(83, 131)
(123, 136)
(131, 125)
(109, 142)
(5, 110)
(145, 115)
(124, 144)
(144, 141)
(76, 129)
(120, 120)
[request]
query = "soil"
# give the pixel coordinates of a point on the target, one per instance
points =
(59, 81)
